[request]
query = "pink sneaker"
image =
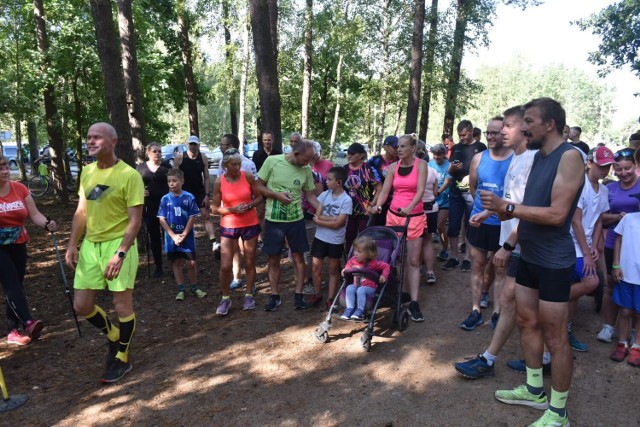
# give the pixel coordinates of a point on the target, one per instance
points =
(15, 337)
(33, 328)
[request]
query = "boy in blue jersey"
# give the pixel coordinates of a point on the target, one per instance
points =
(177, 214)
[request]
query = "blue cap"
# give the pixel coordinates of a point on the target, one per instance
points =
(391, 140)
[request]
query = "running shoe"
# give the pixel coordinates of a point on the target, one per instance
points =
(299, 303)
(236, 284)
(223, 307)
(116, 371)
(576, 344)
(634, 357)
(606, 334)
(33, 328)
(431, 278)
(180, 296)
(357, 315)
(15, 337)
(248, 303)
(494, 320)
(521, 396)
(273, 303)
(112, 351)
(552, 419)
(484, 299)
(519, 365)
(347, 313)
(443, 256)
(198, 292)
(632, 336)
(414, 310)
(308, 288)
(451, 264)
(620, 353)
(473, 321)
(466, 266)
(475, 368)
(314, 300)
(215, 245)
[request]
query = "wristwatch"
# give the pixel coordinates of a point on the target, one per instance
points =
(508, 246)
(510, 208)
(121, 254)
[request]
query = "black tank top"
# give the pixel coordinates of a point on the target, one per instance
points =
(193, 170)
(545, 245)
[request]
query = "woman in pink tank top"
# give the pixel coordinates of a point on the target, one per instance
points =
(235, 199)
(407, 177)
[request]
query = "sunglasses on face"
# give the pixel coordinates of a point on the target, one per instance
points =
(623, 154)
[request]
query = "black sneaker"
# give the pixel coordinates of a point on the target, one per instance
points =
(463, 248)
(414, 309)
(273, 303)
(299, 303)
(451, 264)
(117, 370)
(114, 346)
(466, 266)
(473, 321)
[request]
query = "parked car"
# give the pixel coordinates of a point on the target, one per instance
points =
(10, 152)
(169, 152)
(250, 148)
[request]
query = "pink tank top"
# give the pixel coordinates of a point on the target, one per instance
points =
(232, 195)
(405, 188)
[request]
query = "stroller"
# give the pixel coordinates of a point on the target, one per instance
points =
(390, 242)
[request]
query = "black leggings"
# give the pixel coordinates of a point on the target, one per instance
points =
(13, 259)
(155, 239)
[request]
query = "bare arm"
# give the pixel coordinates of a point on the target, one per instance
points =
(261, 188)
(78, 227)
(589, 266)
(312, 199)
(473, 174)
(257, 197)
(36, 217)
(205, 174)
(617, 272)
(386, 188)
(445, 185)
(331, 222)
(177, 160)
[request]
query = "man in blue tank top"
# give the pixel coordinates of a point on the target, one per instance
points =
(547, 259)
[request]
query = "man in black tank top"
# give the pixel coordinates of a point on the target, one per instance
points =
(547, 259)
(195, 167)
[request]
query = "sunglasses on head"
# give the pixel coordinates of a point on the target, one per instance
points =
(231, 151)
(623, 154)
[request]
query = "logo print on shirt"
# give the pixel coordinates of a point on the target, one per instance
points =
(98, 192)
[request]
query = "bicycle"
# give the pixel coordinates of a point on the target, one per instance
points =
(39, 185)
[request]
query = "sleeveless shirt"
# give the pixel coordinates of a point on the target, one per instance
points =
(232, 195)
(491, 175)
(405, 187)
(193, 170)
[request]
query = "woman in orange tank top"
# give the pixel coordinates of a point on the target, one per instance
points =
(235, 199)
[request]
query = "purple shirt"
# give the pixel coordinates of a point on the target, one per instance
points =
(619, 201)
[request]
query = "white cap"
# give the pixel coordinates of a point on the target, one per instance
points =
(193, 140)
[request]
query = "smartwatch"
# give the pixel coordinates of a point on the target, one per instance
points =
(508, 246)
(121, 254)
(510, 208)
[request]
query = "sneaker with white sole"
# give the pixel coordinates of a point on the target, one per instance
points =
(431, 278)
(15, 337)
(552, 419)
(521, 396)
(248, 303)
(606, 334)
(273, 303)
(308, 288)
(484, 300)
(223, 307)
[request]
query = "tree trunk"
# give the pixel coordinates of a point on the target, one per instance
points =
(32, 134)
(308, 66)
(386, 54)
(415, 78)
(243, 79)
(189, 80)
(453, 85)
(132, 78)
(233, 114)
(336, 116)
(429, 67)
(264, 37)
(77, 110)
(54, 130)
(19, 159)
(398, 118)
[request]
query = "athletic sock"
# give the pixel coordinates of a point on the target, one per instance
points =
(248, 295)
(194, 288)
(534, 381)
(489, 357)
(127, 328)
(99, 319)
(227, 297)
(546, 358)
(558, 402)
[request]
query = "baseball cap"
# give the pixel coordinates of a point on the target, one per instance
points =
(602, 156)
(391, 140)
(193, 140)
(356, 148)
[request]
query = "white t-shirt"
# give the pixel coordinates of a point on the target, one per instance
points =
(429, 196)
(629, 229)
(334, 206)
(515, 181)
(593, 205)
(247, 166)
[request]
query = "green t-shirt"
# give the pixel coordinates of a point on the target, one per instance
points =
(282, 176)
(109, 193)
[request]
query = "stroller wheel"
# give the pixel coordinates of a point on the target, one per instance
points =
(321, 334)
(365, 340)
(404, 319)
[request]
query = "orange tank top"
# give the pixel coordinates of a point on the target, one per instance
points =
(232, 195)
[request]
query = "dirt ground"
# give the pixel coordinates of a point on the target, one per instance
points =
(192, 368)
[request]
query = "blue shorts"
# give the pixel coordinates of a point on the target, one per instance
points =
(627, 295)
(275, 233)
(247, 233)
(578, 274)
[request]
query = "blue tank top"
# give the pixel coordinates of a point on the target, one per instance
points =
(491, 175)
(545, 245)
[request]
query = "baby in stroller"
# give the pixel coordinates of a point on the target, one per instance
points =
(366, 281)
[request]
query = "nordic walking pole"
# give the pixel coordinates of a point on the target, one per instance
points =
(66, 283)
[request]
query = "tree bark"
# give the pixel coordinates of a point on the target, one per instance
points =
(77, 110)
(415, 79)
(233, 114)
(131, 78)
(54, 130)
(189, 80)
(243, 79)
(263, 18)
(32, 135)
(20, 160)
(386, 54)
(111, 65)
(429, 67)
(453, 85)
(336, 116)
(308, 66)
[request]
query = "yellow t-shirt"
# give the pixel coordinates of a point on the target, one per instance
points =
(109, 193)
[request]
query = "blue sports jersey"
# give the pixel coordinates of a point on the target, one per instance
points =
(177, 210)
